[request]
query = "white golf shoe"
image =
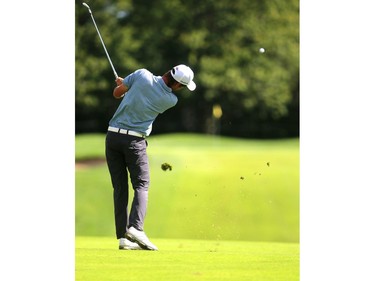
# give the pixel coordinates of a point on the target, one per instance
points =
(125, 244)
(140, 238)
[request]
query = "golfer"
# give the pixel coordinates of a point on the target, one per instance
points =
(145, 96)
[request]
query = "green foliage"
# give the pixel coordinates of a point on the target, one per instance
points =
(219, 39)
(219, 188)
(98, 259)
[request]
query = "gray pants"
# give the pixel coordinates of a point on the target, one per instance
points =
(125, 154)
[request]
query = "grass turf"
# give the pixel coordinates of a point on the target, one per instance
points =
(98, 259)
(219, 188)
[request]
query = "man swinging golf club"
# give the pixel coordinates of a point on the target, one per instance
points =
(145, 96)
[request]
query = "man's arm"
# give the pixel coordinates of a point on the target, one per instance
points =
(120, 89)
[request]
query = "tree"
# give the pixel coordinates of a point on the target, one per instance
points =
(220, 40)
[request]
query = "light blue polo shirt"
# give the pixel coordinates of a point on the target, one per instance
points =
(147, 97)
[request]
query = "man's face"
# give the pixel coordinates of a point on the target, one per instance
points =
(178, 87)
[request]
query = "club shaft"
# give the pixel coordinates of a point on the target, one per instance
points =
(105, 49)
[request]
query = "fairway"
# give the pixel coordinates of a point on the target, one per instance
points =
(228, 210)
(219, 188)
(98, 259)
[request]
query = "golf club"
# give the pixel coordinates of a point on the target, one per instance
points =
(93, 20)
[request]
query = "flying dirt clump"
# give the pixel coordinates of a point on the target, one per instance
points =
(166, 166)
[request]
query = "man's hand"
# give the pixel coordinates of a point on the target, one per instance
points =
(120, 89)
(119, 81)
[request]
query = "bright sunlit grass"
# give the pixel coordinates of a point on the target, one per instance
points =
(98, 259)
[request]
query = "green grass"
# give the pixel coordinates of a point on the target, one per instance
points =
(89, 146)
(98, 259)
(219, 189)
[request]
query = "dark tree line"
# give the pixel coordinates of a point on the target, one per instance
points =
(252, 94)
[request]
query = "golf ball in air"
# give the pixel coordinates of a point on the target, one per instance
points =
(262, 50)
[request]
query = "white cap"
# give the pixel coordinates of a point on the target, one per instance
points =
(184, 75)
